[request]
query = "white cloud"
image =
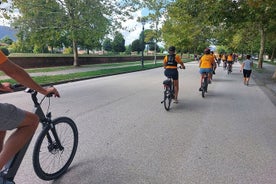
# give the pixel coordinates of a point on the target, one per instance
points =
(132, 28)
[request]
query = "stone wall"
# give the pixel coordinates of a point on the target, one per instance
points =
(40, 62)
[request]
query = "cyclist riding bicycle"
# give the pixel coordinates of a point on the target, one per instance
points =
(170, 64)
(230, 61)
(214, 65)
(206, 63)
(12, 117)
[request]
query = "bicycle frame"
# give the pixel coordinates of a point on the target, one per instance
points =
(11, 168)
(204, 83)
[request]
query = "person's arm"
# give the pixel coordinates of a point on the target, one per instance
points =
(22, 77)
(242, 66)
(165, 62)
(179, 61)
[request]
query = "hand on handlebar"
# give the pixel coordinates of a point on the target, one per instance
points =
(6, 87)
(52, 91)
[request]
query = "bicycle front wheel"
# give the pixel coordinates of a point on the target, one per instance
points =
(55, 148)
(203, 90)
(167, 99)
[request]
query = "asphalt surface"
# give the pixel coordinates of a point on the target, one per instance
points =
(126, 136)
(262, 78)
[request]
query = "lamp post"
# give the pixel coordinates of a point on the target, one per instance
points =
(143, 21)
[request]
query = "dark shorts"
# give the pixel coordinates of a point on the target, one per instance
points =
(246, 73)
(173, 73)
(10, 116)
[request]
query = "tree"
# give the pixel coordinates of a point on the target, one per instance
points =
(118, 44)
(157, 10)
(136, 46)
(107, 44)
(7, 40)
(79, 20)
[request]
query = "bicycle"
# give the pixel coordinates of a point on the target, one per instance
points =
(204, 84)
(54, 149)
(168, 93)
(229, 68)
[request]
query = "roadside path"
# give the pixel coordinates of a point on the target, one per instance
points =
(265, 81)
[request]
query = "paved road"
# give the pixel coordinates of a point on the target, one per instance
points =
(126, 136)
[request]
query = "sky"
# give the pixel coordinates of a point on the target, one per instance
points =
(134, 28)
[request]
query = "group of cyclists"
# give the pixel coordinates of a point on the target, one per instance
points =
(208, 63)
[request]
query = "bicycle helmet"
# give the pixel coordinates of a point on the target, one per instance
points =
(172, 48)
(207, 51)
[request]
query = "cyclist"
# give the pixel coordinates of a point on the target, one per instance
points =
(214, 65)
(12, 117)
(219, 59)
(206, 63)
(170, 65)
(230, 61)
(224, 60)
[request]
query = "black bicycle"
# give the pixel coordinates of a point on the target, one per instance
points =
(204, 84)
(168, 93)
(229, 68)
(54, 149)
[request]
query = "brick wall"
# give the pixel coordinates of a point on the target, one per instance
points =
(40, 62)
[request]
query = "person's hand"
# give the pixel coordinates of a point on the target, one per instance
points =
(52, 91)
(6, 87)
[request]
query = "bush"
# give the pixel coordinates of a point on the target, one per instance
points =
(5, 51)
(68, 50)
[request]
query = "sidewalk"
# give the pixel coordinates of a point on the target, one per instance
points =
(264, 80)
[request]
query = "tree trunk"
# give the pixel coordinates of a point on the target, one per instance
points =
(75, 50)
(262, 47)
(272, 55)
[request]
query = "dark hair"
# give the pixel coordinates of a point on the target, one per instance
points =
(248, 56)
(172, 48)
(207, 51)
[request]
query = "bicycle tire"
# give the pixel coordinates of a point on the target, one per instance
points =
(203, 90)
(49, 161)
(204, 87)
(167, 99)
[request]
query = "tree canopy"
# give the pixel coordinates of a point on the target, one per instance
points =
(69, 23)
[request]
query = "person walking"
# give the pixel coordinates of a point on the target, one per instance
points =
(246, 68)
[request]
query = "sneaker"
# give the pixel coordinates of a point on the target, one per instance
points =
(209, 82)
(175, 101)
(214, 72)
(200, 89)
